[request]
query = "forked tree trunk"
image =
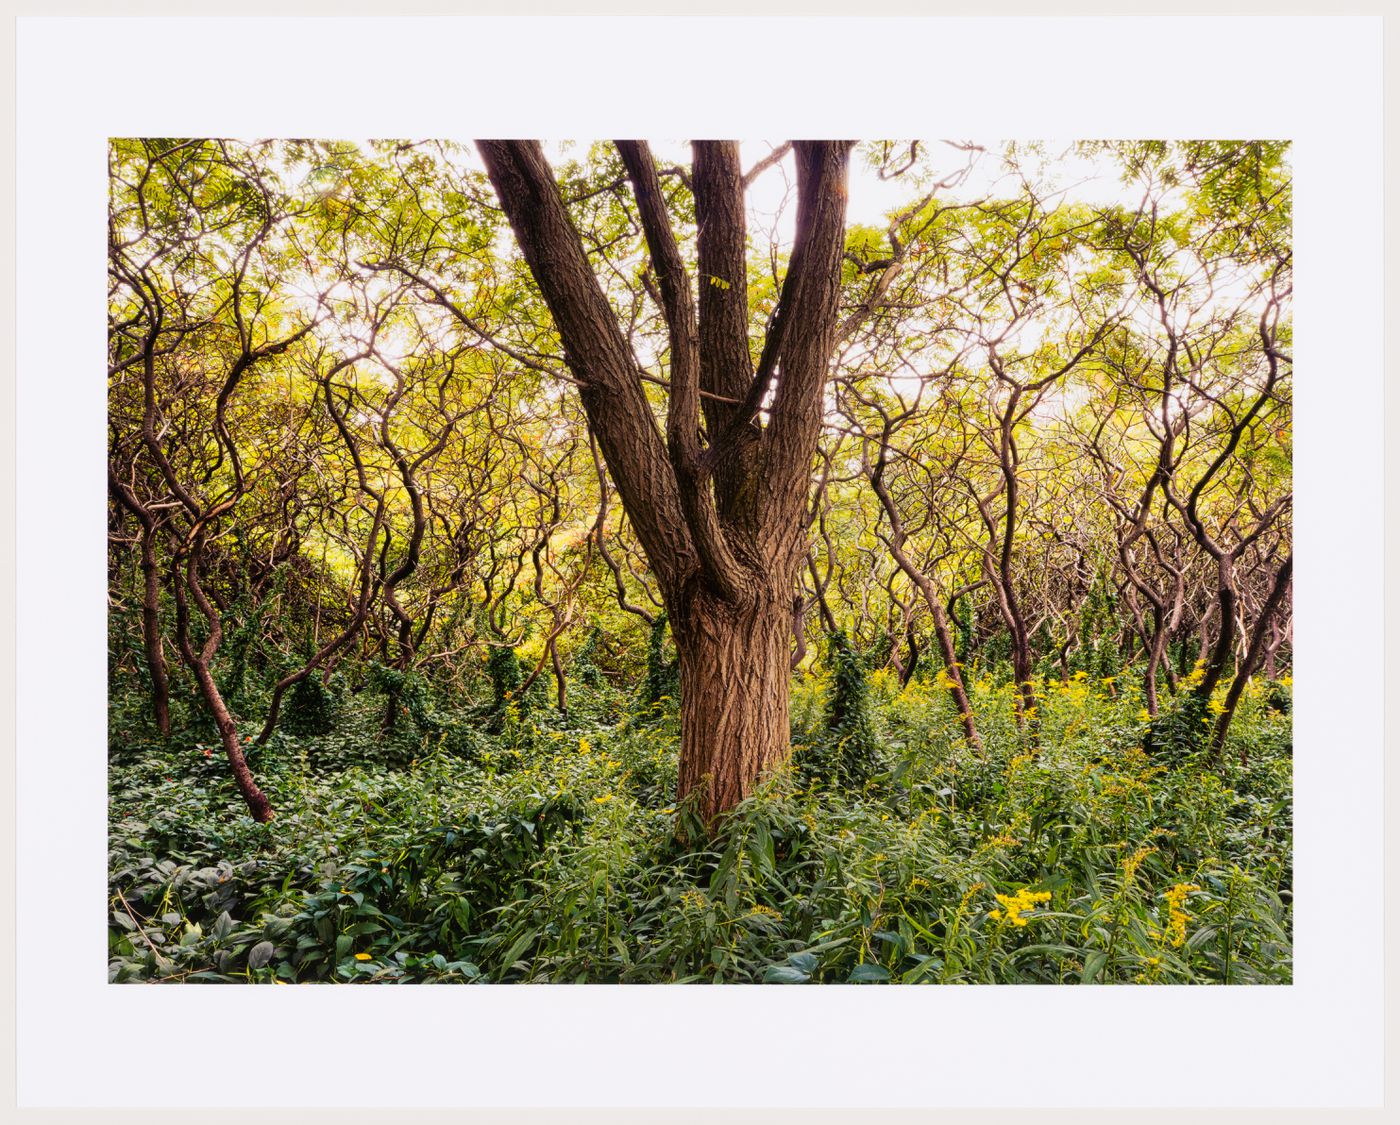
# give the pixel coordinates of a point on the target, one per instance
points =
(735, 673)
(722, 522)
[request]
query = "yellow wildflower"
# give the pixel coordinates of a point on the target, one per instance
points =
(1005, 840)
(1134, 861)
(603, 800)
(1176, 913)
(967, 895)
(363, 957)
(1017, 905)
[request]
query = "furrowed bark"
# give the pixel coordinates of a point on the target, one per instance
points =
(722, 526)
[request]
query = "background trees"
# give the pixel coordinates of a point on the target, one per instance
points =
(360, 442)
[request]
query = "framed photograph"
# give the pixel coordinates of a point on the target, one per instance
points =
(768, 611)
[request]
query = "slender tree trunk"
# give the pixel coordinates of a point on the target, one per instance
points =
(947, 644)
(1155, 652)
(1225, 638)
(561, 682)
(799, 632)
(911, 665)
(1253, 652)
(258, 804)
(1024, 669)
(198, 661)
(150, 631)
(948, 648)
(150, 603)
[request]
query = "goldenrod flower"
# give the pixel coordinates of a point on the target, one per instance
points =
(967, 895)
(1176, 913)
(1134, 861)
(1002, 841)
(1017, 905)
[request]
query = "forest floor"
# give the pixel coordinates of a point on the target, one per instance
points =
(549, 851)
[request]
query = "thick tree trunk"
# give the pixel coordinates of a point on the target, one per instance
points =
(735, 676)
(722, 522)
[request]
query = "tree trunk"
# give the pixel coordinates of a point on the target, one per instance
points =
(1156, 650)
(953, 670)
(258, 804)
(150, 631)
(722, 523)
(198, 663)
(1253, 652)
(150, 603)
(1224, 646)
(735, 674)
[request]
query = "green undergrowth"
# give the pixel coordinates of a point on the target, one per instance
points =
(524, 846)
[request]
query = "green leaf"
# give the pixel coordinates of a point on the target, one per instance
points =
(868, 973)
